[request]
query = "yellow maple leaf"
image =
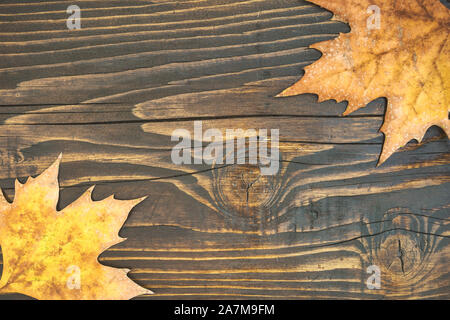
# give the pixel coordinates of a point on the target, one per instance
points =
(50, 254)
(405, 58)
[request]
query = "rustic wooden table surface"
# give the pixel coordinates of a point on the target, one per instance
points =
(109, 95)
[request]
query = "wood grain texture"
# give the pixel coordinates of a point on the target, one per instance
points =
(108, 97)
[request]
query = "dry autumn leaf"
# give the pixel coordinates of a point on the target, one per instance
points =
(50, 254)
(406, 60)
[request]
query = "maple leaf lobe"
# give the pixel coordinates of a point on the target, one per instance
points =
(407, 61)
(41, 244)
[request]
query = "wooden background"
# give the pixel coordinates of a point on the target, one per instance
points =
(109, 95)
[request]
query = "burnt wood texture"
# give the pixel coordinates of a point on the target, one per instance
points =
(109, 95)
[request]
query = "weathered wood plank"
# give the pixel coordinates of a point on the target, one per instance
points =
(108, 97)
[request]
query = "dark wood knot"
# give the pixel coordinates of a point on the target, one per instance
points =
(403, 247)
(244, 195)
